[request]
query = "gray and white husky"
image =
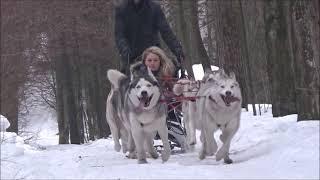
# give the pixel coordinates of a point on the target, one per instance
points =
(135, 114)
(188, 88)
(195, 89)
(220, 108)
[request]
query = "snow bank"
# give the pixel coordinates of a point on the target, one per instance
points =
(4, 123)
(11, 143)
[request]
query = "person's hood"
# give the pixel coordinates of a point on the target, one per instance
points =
(138, 4)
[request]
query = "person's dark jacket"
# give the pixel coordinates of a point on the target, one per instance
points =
(137, 27)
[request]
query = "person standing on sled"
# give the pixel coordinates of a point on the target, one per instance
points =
(138, 24)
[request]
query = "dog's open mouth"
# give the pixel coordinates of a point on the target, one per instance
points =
(229, 99)
(145, 100)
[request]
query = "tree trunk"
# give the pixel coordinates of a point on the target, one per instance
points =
(254, 23)
(62, 121)
(280, 68)
(101, 99)
(231, 54)
(305, 37)
(70, 106)
(11, 110)
(67, 107)
(210, 19)
(200, 51)
(248, 61)
(183, 29)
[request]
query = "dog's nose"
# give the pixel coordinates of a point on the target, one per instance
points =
(144, 93)
(228, 93)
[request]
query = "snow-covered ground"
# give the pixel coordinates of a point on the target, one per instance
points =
(264, 147)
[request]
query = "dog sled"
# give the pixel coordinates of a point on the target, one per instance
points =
(176, 128)
(218, 105)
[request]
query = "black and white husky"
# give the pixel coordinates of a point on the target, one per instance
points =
(135, 114)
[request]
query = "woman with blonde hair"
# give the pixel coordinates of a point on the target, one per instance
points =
(156, 59)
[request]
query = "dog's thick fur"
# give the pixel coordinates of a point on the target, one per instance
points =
(191, 88)
(135, 114)
(116, 124)
(188, 88)
(220, 108)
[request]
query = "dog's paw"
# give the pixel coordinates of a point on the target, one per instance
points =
(132, 155)
(202, 155)
(191, 148)
(142, 161)
(154, 155)
(192, 143)
(165, 156)
(117, 147)
(124, 148)
(221, 154)
(210, 153)
(227, 160)
(211, 150)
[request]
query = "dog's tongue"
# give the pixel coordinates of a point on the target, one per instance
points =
(230, 99)
(143, 101)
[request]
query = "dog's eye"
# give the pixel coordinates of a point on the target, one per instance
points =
(138, 87)
(148, 85)
(155, 83)
(222, 86)
(232, 87)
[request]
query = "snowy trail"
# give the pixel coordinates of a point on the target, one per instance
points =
(264, 147)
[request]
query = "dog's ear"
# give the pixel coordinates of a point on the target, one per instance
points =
(232, 76)
(155, 83)
(213, 79)
(131, 85)
(151, 74)
(222, 72)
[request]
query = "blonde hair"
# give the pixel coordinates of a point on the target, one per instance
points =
(167, 67)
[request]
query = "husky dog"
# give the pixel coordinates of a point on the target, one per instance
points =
(188, 88)
(137, 108)
(219, 109)
(116, 125)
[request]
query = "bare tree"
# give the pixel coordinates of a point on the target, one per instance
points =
(280, 64)
(210, 24)
(306, 40)
(257, 52)
(15, 37)
(231, 52)
(183, 12)
(68, 69)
